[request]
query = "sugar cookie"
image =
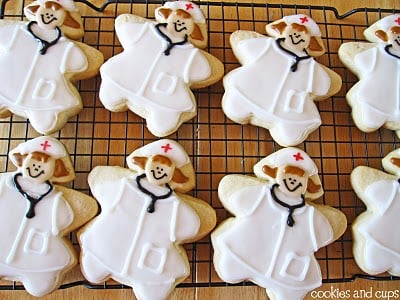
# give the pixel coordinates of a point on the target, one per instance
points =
(160, 63)
(37, 215)
(276, 228)
(279, 79)
(377, 65)
(40, 63)
(376, 247)
(146, 214)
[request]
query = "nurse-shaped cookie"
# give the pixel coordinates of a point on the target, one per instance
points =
(376, 247)
(375, 98)
(160, 64)
(40, 63)
(279, 79)
(276, 228)
(37, 215)
(147, 215)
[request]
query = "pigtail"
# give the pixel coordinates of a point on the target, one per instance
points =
(381, 35)
(70, 21)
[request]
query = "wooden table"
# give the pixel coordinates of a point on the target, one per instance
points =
(97, 137)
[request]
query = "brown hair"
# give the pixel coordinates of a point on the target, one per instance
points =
(271, 172)
(395, 161)
(59, 169)
(314, 45)
(162, 159)
(299, 27)
(312, 188)
(395, 29)
(279, 27)
(381, 35)
(177, 177)
(166, 12)
(294, 170)
(69, 21)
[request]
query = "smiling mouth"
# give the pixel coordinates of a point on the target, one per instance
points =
(49, 20)
(292, 189)
(177, 29)
(155, 176)
(294, 42)
(34, 176)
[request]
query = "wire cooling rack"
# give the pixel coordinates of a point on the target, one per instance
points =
(216, 145)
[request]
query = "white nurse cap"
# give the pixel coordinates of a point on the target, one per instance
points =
(304, 20)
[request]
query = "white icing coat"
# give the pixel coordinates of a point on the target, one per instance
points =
(259, 245)
(146, 254)
(380, 229)
(379, 75)
(32, 84)
(266, 88)
(146, 77)
(32, 245)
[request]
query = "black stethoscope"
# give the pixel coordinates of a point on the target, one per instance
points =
(32, 200)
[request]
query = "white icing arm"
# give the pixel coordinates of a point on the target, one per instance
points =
(187, 223)
(321, 81)
(130, 28)
(234, 191)
(362, 177)
(366, 60)
(105, 180)
(323, 231)
(74, 60)
(7, 32)
(199, 69)
(245, 45)
(61, 215)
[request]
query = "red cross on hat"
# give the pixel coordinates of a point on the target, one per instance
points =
(45, 144)
(397, 21)
(303, 19)
(167, 147)
(298, 156)
(189, 6)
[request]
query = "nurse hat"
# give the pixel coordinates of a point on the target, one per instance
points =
(388, 22)
(165, 147)
(304, 20)
(373, 32)
(67, 4)
(189, 7)
(44, 144)
(290, 156)
(51, 147)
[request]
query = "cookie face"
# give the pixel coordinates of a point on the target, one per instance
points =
(160, 63)
(37, 215)
(279, 226)
(146, 215)
(288, 81)
(377, 65)
(376, 244)
(41, 63)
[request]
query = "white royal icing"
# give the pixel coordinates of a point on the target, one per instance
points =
(274, 233)
(260, 246)
(32, 250)
(146, 78)
(379, 75)
(265, 88)
(147, 257)
(376, 229)
(34, 85)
